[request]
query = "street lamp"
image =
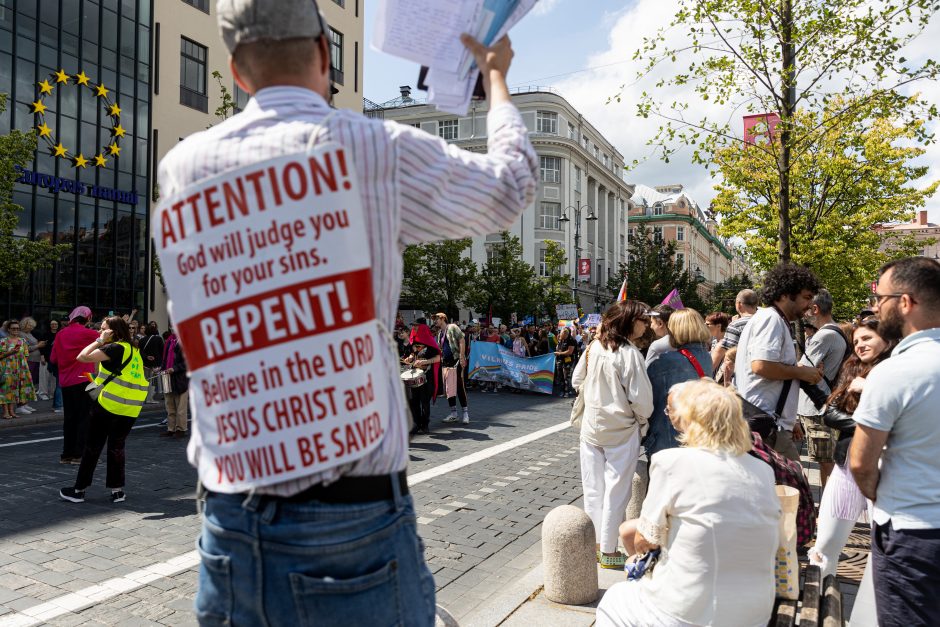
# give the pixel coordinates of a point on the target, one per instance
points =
(577, 236)
(699, 275)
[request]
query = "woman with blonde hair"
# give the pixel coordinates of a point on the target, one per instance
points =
(712, 511)
(688, 360)
(618, 399)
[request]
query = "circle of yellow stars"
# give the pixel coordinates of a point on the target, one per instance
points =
(113, 111)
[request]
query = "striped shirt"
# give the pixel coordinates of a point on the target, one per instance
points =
(415, 188)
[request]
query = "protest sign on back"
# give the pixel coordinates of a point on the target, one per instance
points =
(271, 294)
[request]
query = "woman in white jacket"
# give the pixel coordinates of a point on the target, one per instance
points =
(618, 401)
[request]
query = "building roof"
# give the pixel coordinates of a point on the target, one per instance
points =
(908, 226)
(646, 196)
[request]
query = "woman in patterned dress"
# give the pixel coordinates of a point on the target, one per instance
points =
(16, 383)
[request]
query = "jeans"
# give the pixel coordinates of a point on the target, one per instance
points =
(905, 567)
(271, 562)
(113, 429)
(57, 396)
(76, 405)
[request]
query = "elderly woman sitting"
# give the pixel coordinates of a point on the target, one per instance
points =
(713, 512)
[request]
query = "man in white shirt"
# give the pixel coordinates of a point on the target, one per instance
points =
(765, 371)
(897, 425)
(290, 552)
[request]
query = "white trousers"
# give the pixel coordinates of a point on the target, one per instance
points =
(607, 480)
(831, 536)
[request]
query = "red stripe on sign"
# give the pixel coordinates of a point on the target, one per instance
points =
(281, 315)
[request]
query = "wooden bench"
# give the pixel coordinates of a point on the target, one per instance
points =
(820, 603)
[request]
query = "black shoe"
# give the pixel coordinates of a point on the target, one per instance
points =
(73, 495)
(118, 497)
(414, 431)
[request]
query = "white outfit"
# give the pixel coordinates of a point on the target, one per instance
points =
(716, 518)
(839, 508)
(618, 401)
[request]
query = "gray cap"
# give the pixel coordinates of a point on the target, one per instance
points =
(243, 21)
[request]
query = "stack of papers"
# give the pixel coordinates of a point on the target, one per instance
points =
(428, 32)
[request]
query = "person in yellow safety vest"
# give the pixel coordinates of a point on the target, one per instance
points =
(122, 388)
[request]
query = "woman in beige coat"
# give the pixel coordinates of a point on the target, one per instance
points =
(618, 401)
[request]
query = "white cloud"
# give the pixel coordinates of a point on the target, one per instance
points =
(544, 7)
(589, 91)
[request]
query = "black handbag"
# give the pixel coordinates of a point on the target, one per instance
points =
(762, 423)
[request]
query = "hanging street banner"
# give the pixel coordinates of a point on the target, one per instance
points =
(493, 362)
(276, 318)
(584, 269)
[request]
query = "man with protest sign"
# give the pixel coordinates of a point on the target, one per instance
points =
(280, 230)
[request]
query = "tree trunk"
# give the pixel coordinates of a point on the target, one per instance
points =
(788, 73)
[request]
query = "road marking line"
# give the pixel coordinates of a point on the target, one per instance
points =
(155, 424)
(76, 601)
(486, 453)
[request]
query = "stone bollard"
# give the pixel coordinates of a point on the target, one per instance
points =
(641, 482)
(569, 560)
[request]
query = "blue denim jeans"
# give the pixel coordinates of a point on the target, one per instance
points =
(267, 561)
(57, 396)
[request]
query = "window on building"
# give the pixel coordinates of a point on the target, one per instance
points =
(658, 209)
(680, 233)
(491, 254)
(202, 5)
(623, 244)
(633, 233)
(597, 151)
(658, 234)
(577, 179)
(584, 141)
(606, 161)
(193, 75)
(336, 56)
(417, 125)
(447, 129)
(550, 213)
(544, 270)
(546, 122)
(241, 97)
(551, 169)
(572, 134)
(680, 260)
(341, 3)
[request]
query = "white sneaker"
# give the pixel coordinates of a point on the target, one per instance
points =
(43, 396)
(24, 410)
(452, 417)
(466, 417)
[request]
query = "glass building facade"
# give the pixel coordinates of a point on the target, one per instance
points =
(87, 63)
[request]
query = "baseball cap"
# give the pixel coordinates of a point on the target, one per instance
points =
(244, 21)
(80, 312)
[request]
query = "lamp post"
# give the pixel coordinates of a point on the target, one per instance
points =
(577, 237)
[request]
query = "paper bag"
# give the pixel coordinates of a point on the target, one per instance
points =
(786, 567)
(450, 382)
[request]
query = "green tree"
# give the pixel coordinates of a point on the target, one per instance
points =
(653, 272)
(784, 57)
(437, 276)
(556, 287)
(227, 106)
(721, 297)
(18, 255)
(507, 284)
(857, 174)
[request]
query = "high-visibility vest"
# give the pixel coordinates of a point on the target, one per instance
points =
(124, 395)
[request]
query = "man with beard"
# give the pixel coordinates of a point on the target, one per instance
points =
(897, 425)
(766, 372)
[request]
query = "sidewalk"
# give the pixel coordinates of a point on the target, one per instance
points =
(45, 416)
(523, 603)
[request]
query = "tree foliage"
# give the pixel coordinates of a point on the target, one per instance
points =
(556, 287)
(836, 60)
(437, 276)
(722, 295)
(653, 272)
(857, 174)
(507, 284)
(18, 255)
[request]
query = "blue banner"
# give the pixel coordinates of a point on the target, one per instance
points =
(490, 361)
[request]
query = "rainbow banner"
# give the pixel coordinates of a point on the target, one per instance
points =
(490, 361)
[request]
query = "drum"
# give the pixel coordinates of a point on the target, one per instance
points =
(413, 378)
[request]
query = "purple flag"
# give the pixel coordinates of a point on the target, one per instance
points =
(672, 299)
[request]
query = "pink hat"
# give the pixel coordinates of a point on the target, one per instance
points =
(80, 312)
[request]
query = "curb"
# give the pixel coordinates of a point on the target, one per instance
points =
(499, 608)
(42, 418)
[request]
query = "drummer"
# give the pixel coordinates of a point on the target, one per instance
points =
(425, 355)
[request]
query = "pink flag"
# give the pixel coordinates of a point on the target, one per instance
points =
(623, 291)
(673, 300)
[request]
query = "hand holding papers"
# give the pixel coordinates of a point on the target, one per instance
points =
(428, 32)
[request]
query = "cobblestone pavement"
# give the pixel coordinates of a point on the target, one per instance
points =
(480, 523)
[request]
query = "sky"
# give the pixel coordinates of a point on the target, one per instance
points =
(584, 49)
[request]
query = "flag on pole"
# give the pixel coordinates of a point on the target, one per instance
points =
(672, 299)
(623, 291)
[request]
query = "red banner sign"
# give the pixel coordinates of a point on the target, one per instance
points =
(584, 269)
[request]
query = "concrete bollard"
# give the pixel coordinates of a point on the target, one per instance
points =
(569, 560)
(641, 483)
